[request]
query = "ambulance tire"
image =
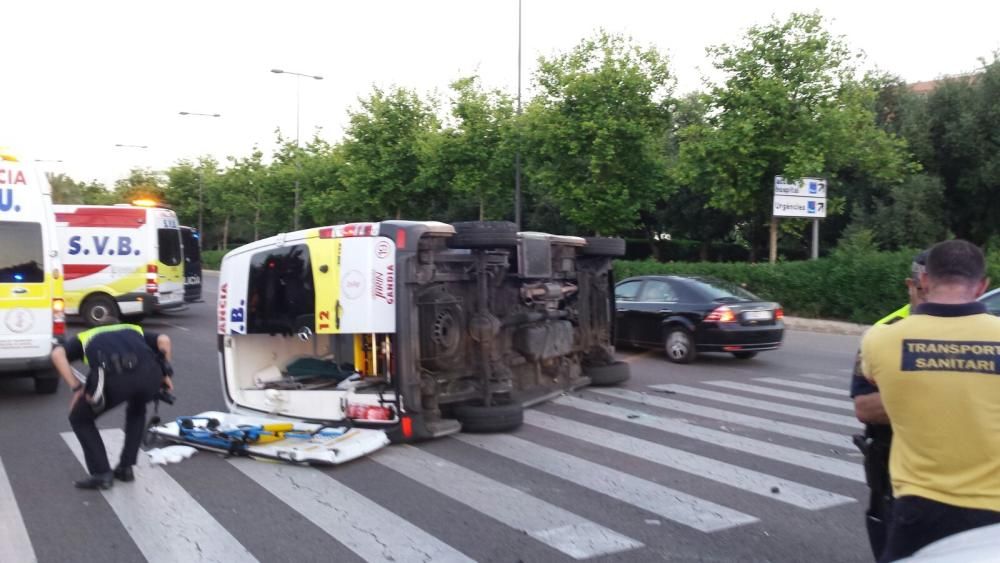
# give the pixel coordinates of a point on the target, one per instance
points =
(607, 374)
(46, 383)
(484, 234)
(604, 246)
(477, 418)
(99, 310)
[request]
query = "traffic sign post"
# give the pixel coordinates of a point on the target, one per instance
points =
(803, 199)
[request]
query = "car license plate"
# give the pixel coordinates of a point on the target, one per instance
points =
(757, 315)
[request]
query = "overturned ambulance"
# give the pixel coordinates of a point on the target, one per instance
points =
(417, 328)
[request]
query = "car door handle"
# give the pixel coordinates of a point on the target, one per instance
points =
(19, 290)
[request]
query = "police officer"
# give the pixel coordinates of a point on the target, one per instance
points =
(938, 372)
(877, 439)
(126, 365)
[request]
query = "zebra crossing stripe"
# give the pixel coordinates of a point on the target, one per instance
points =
(796, 494)
(830, 466)
(783, 428)
(799, 412)
(560, 529)
(156, 504)
(14, 540)
(800, 397)
(673, 505)
(804, 385)
(364, 527)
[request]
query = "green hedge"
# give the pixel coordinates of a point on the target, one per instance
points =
(859, 288)
(211, 259)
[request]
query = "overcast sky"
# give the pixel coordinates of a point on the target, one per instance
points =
(81, 77)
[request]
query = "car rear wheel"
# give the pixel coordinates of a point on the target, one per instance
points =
(607, 374)
(744, 355)
(679, 345)
(498, 417)
(100, 310)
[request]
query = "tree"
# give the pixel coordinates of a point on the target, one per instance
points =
(140, 184)
(381, 154)
(475, 156)
(964, 132)
(595, 137)
(791, 104)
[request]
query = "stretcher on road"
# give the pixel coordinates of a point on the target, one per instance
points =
(268, 438)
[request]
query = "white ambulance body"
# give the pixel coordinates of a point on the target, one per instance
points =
(31, 304)
(120, 261)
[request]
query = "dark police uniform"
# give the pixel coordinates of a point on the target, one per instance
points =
(125, 367)
(875, 445)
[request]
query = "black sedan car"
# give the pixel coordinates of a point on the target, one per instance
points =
(690, 314)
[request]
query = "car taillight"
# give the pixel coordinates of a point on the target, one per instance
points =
(58, 317)
(779, 314)
(358, 411)
(721, 314)
(152, 279)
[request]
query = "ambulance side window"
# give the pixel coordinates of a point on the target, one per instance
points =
(21, 253)
(280, 293)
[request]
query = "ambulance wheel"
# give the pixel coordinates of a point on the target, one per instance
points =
(607, 374)
(498, 417)
(99, 310)
(483, 234)
(604, 246)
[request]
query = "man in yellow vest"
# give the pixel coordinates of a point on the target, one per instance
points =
(126, 365)
(938, 372)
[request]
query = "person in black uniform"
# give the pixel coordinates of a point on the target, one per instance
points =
(876, 442)
(126, 365)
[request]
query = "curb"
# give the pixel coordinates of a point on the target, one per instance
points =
(825, 326)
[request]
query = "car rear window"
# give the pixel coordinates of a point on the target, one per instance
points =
(170, 246)
(23, 254)
(192, 245)
(720, 290)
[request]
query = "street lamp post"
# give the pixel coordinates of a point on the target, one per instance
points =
(201, 173)
(298, 91)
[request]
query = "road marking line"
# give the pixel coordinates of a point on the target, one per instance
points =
(363, 526)
(759, 404)
(166, 523)
(800, 397)
(784, 428)
(803, 385)
(673, 505)
(567, 532)
(185, 329)
(14, 540)
(748, 480)
(824, 377)
(837, 467)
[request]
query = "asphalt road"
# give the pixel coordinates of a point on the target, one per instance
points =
(722, 460)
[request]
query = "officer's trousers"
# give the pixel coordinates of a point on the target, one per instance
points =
(136, 388)
(917, 521)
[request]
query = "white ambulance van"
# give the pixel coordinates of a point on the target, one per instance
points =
(418, 328)
(31, 300)
(121, 262)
